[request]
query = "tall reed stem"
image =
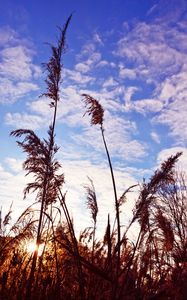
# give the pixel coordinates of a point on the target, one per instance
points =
(54, 69)
(117, 212)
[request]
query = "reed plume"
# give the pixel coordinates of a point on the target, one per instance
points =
(40, 160)
(91, 200)
(93, 109)
(96, 111)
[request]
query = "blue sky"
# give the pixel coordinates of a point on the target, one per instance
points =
(129, 54)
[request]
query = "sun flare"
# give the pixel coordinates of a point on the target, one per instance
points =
(31, 247)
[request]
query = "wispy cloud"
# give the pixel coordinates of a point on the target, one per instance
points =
(128, 93)
(110, 82)
(154, 47)
(11, 91)
(82, 67)
(167, 12)
(18, 73)
(146, 106)
(24, 120)
(173, 92)
(155, 58)
(8, 36)
(155, 137)
(98, 39)
(125, 72)
(16, 63)
(14, 164)
(11, 189)
(120, 136)
(78, 76)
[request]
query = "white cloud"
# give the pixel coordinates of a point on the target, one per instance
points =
(97, 39)
(94, 58)
(102, 63)
(89, 58)
(14, 164)
(118, 133)
(175, 117)
(7, 36)
(165, 11)
(174, 86)
(145, 106)
(167, 91)
(127, 73)
(77, 77)
(153, 48)
(155, 137)
(87, 49)
(132, 150)
(112, 64)
(11, 190)
(70, 110)
(128, 93)
(82, 67)
(17, 70)
(41, 107)
(110, 82)
(173, 93)
(11, 91)
(24, 120)
(152, 9)
(16, 63)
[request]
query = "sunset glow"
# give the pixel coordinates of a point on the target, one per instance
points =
(31, 247)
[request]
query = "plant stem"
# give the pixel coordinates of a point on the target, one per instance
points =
(117, 212)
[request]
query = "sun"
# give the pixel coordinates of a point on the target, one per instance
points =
(31, 247)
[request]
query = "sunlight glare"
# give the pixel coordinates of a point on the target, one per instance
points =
(31, 247)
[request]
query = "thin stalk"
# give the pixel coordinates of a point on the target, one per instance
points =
(41, 257)
(55, 97)
(92, 261)
(56, 257)
(39, 231)
(117, 211)
(93, 243)
(127, 267)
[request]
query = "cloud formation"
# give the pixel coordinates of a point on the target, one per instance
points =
(18, 73)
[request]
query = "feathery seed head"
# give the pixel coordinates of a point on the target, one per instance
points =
(54, 66)
(92, 199)
(94, 109)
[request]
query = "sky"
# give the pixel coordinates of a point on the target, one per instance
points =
(131, 55)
